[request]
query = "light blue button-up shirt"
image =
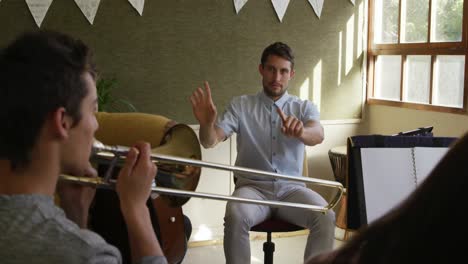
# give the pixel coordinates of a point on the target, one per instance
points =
(260, 143)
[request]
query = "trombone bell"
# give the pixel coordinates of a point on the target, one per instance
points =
(180, 140)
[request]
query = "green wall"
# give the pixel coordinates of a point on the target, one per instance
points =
(161, 57)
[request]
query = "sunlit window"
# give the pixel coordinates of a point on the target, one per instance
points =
(387, 80)
(417, 53)
(418, 76)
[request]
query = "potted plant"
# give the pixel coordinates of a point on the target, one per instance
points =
(107, 102)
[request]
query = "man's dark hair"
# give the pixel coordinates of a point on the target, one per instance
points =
(279, 49)
(39, 72)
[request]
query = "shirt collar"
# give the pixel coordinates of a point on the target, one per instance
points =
(269, 102)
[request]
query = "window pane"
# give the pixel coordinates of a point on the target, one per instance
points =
(387, 77)
(414, 20)
(417, 79)
(447, 17)
(386, 21)
(449, 75)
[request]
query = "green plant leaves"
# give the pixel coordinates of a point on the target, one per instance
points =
(107, 102)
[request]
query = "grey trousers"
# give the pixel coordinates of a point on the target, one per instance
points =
(240, 217)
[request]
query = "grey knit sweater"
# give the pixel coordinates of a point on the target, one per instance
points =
(34, 230)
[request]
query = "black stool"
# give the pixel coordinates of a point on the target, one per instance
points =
(269, 226)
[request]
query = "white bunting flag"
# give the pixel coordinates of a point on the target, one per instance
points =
(138, 5)
(88, 8)
(238, 4)
(353, 2)
(280, 7)
(317, 5)
(38, 9)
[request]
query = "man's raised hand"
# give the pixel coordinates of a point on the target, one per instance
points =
(203, 106)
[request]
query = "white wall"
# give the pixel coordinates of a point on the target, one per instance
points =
(207, 215)
(390, 120)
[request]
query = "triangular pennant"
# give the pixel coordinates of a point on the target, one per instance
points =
(88, 8)
(280, 7)
(38, 9)
(238, 4)
(353, 2)
(317, 5)
(138, 5)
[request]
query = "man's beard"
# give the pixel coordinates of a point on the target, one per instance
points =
(271, 93)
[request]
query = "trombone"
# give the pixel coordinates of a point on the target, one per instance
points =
(177, 177)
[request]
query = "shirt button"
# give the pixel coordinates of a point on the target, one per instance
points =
(274, 122)
(274, 153)
(274, 138)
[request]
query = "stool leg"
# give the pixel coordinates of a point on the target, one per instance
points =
(268, 248)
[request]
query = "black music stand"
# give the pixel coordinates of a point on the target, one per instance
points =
(422, 131)
(356, 209)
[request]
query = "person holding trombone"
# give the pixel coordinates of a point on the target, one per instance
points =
(272, 130)
(48, 102)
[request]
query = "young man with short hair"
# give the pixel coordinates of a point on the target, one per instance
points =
(48, 102)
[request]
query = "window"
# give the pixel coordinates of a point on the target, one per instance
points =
(417, 54)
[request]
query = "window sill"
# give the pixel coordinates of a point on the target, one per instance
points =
(425, 107)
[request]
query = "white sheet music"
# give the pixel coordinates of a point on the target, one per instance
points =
(387, 176)
(426, 160)
(390, 175)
